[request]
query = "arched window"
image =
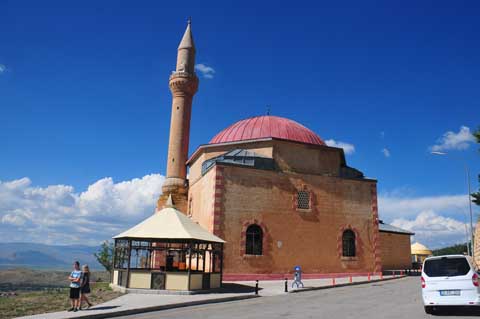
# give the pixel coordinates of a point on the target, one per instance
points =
(254, 240)
(348, 243)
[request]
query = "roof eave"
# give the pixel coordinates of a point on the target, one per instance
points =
(263, 139)
(168, 239)
(397, 232)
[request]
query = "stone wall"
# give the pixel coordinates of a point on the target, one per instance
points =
(395, 251)
(307, 159)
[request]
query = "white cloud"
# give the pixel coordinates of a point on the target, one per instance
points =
(347, 148)
(437, 221)
(16, 218)
(454, 141)
(57, 214)
(434, 230)
(397, 206)
(386, 152)
(3, 68)
(206, 71)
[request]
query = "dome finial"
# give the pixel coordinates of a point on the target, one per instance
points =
(189, 21)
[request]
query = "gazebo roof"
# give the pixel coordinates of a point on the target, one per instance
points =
(169, 223)
(419, 249)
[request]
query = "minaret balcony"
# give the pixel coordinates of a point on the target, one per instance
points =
(183, 82)
(183, 74)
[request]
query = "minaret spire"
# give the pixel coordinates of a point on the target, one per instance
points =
(183, 85)
(187, 40)
(186, 51)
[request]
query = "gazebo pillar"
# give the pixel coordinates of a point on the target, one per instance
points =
(114, 254)
(221, 266)
(189, 264)
(129, 250)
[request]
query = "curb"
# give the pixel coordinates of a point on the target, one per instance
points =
(344, 285)
(164, 307)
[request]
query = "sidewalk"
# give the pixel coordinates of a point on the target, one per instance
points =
(138, 303)
(277, 287)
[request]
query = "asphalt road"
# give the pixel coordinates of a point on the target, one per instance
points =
(391, 299)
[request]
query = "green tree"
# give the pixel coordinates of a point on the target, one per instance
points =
(459, 249)
(105, 255)
(476, 196)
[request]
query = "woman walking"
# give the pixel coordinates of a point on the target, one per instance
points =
(85, 286)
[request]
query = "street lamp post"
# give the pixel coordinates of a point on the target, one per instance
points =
(466, 237)
(472, 249)
(467, 173)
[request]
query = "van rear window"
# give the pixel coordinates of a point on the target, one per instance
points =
(446, 267)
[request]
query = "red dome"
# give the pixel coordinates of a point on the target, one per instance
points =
(265, 127)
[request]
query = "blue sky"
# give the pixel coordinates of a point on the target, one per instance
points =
(84, 97)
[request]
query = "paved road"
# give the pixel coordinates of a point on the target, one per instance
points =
(391, 299)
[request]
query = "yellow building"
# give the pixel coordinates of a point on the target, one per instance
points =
(419, 253)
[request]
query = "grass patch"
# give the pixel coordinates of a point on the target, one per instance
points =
(49, 300)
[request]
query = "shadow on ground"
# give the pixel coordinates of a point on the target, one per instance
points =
(228, 288)
(457, 311)
(102, 308)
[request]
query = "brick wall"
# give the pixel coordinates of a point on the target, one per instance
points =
(395, 251)
(310, 239)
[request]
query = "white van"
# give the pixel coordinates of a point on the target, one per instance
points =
(450, 280)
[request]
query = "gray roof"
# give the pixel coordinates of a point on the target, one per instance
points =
(392, 229)
(240, 157)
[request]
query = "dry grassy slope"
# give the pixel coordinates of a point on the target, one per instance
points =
(37, 302)
(28, 279)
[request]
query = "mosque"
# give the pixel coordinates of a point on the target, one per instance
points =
(275, 193)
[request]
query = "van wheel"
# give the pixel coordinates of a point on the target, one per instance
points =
(428, 309)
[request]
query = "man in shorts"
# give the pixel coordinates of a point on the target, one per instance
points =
(75, 279)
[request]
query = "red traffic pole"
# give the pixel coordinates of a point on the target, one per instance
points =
(368, 276)
(333, 281)
(351, 279)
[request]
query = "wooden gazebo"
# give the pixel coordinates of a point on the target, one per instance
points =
(167, 251)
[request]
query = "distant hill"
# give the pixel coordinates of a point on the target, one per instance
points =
(459, 249)
(31, 255)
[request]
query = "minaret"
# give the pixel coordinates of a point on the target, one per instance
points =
(183, 85)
